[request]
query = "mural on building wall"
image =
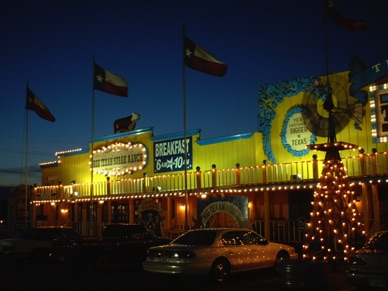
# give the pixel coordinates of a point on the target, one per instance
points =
(271, 96)
(236, 207)
(149, 213)
(169, 155)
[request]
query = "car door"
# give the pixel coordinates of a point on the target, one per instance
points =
(261, 255)
(376, 260)
(235, 249)
(29, 241)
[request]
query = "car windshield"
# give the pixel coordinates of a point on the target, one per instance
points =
(136, 232)
(48, 233)
(196, 238)
(378, 242)
(71, 234)
(26, 234)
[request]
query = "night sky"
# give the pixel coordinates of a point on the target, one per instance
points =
(51, 45)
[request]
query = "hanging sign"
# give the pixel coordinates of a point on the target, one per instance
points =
(119, 159)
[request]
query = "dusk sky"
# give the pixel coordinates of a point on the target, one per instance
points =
(51, 45)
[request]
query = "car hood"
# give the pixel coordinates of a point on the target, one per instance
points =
(367, 251)
(8, 241)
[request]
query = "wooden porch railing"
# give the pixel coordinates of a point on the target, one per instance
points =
(362, 165)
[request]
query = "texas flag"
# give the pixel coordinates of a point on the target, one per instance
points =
(33, 103)
(109, 83)
(348, 23)
(197, 58)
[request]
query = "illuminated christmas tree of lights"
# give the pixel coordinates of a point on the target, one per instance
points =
(335, 221)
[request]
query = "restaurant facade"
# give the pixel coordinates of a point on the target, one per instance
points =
(262, 180)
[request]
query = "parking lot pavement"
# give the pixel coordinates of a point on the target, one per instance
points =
(25, 275)
(336, 281)
(320, 276)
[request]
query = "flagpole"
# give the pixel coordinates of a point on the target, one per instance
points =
(326, 43)
(26, 186)
(92, 157)
(185, 126)
(328, 105)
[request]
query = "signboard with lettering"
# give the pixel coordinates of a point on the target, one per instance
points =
(382, 114)
(119, 159)
(169, 155)
(295, 135)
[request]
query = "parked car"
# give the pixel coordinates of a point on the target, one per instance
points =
(120, 244)
(34, 242)
(216, 252)
(368, 265)
(3, 228)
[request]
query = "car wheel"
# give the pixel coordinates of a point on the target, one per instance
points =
(281, 256)
(220, 270)
(103, 262)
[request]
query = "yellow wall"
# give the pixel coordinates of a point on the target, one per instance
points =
(50, 175)
(247, 149)
(74, 167)
(226, 154)
(223, 152)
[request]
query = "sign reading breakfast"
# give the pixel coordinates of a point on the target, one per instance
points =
(169, 155)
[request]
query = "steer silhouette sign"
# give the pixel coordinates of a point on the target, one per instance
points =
(127, 123)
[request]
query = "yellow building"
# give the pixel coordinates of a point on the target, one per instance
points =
(263, 180)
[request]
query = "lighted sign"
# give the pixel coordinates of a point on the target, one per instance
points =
(170, 155)
(379, 112)
(119, 159)
(382, 114)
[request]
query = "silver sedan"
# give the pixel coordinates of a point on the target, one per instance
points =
(216, 252)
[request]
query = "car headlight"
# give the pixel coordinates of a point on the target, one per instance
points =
(356, 261)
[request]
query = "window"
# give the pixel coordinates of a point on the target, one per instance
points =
(120, 212)
(251, 238)
(378, 242)
(91, 212)
(104, 210)
(233, 238)
(197, 238)
(382, 114)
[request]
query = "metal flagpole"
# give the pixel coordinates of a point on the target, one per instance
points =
(328, 104)
(325, 32)
(185, 127)
(26, 186)
(92, 157)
